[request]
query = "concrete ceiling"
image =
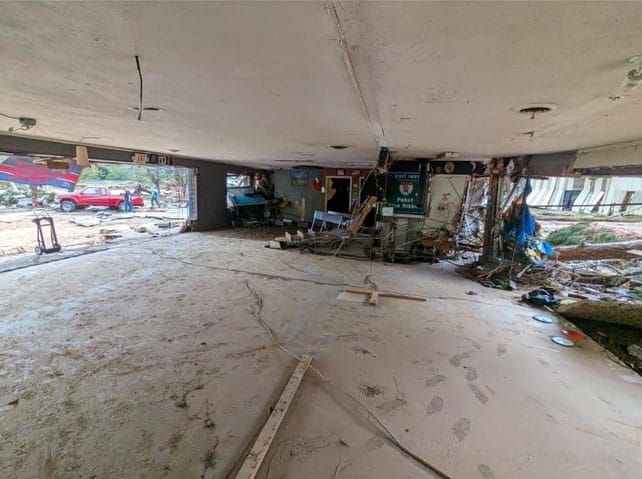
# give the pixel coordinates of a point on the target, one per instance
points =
(274, 84)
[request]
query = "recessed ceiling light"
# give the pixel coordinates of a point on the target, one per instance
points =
(146, 108)
(174, 150)
(338, 147)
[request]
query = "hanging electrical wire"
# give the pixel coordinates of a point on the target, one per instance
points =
(26, 123)
(10, 116)
(140, 96)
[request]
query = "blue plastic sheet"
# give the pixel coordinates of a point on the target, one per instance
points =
(526, 226)
(522, 232)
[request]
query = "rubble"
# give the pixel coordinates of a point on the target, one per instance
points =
(617, 312)
(616, 250)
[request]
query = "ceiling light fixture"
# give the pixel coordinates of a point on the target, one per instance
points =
(337, 147)
(534, 109)
(633, 77)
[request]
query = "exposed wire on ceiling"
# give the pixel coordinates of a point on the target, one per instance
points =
(26, 123)
(10, 116)
(140, 96)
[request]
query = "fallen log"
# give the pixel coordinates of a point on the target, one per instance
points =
(619, 250)
(626, 314)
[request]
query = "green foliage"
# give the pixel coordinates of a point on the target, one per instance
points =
(136, 173)
(580, 233)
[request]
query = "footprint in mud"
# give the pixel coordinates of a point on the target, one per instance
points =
(432, 381)
(461, 428)
(471, 373)
(371, 391)
(375, 442)
(391, 405)
(359, 350)
(479, 394)
(457, 358)
(501, 349)
(435, 406)
(485, 471)
(475, 344)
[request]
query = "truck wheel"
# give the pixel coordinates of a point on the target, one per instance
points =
(121, 206)
(67, 206)
(38, 250)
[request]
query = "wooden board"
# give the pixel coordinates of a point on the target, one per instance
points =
(374, 297)
(387, 294)
(356, 223)
(261, 446)
(618, 250)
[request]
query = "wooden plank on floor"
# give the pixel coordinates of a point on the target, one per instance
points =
(374, 297)
(387, 294)
(261, 446)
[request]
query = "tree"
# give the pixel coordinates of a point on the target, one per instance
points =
(154, 173)
(34, 196)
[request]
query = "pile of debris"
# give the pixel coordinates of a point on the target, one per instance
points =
(603, 297)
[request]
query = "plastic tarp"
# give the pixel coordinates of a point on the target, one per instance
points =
(526, 227)
(523, 231)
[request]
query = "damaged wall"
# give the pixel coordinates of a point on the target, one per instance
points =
(443, 201)
(587, 194)
(303, 199)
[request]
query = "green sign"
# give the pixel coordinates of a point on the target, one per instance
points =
(403, 193)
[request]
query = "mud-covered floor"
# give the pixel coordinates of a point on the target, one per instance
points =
(147, 361)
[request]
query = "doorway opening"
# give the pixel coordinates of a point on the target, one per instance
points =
(339, 194)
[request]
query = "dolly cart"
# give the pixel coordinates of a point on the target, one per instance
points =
(43, 221)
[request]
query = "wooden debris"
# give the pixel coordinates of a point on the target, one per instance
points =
(274, 244)
(620, 250)
(356, 223)
(261, 446)
(374, 295)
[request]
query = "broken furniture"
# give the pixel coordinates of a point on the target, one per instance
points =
(245, 207)
(338, 219)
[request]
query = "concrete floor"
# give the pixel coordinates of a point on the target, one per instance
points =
(147, 361)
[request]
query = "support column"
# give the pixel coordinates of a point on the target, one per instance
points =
(492, 221)
(211, 193)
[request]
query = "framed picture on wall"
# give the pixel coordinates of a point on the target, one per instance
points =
(340, 173)
(299, 178)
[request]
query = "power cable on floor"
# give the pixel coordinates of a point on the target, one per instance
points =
(371, 414)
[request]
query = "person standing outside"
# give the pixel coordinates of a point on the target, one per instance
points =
(155, 201)
(127, 201)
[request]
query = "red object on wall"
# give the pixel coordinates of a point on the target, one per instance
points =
(316, 183)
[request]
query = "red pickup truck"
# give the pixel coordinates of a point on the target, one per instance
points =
(95, 196)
